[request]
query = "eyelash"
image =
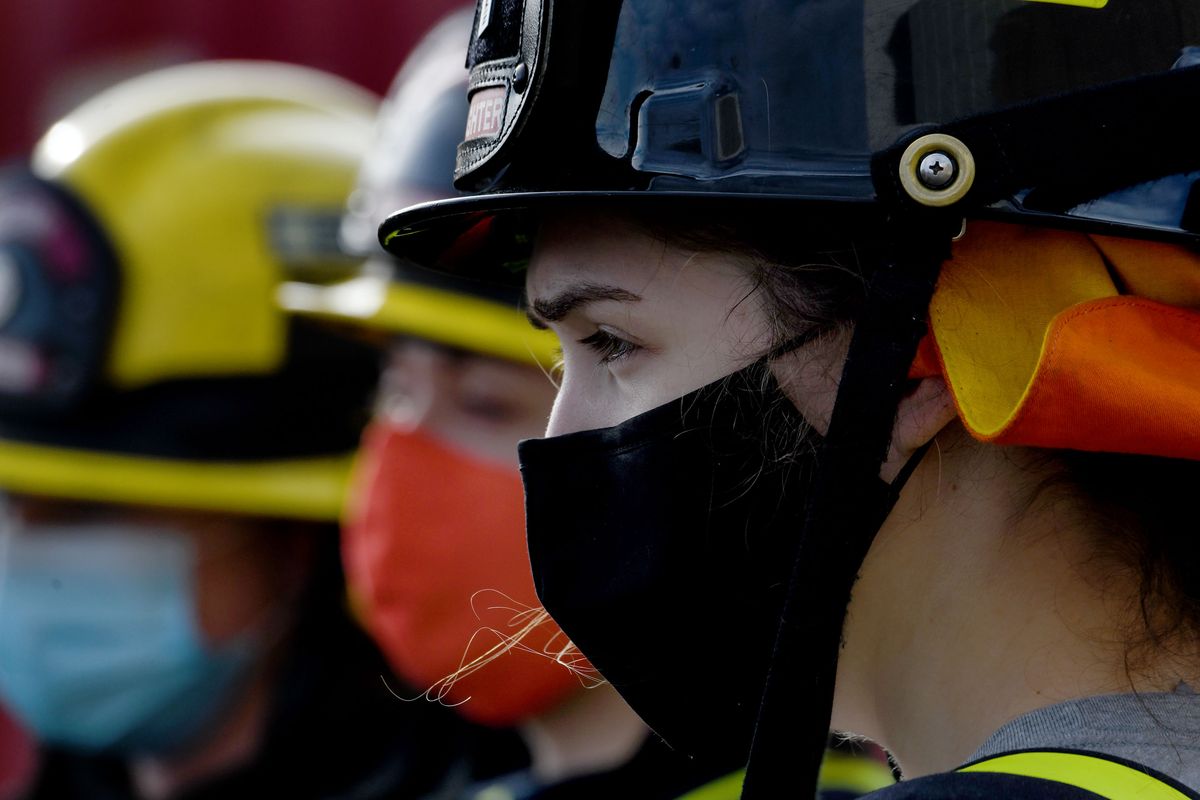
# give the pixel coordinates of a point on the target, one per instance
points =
(610, 348)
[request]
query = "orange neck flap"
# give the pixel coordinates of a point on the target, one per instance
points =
(1062, 340)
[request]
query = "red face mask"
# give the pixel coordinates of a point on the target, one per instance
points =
(434, 548)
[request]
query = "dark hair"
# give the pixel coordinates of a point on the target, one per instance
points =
(810, 268)
(1140, 509)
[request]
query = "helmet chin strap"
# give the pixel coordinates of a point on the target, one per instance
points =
(849, 503)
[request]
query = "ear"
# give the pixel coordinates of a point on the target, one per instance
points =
(922, 413)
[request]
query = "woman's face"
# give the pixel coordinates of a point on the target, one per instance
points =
(483, 405)
(241, 572)
(641, 322)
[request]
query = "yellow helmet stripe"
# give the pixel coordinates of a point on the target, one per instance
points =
(310, 488)
(450, 318)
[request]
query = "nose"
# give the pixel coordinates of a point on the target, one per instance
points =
(573, 410)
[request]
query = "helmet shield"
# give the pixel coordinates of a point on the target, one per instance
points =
(58, 285)
(791, 98)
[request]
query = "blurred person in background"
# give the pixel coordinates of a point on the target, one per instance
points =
(18, 757)
(433, 544)
(174, 451)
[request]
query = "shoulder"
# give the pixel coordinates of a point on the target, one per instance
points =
(981, 786)
(1044, 775)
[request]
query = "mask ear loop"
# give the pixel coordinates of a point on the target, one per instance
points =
(846, 508)
(914, 461)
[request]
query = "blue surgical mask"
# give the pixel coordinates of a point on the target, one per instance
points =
(99, 644)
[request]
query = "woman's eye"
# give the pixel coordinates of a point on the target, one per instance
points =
(490, 409)
(610, 348)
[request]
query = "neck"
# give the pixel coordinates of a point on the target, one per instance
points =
(594, 731)
(975, 606)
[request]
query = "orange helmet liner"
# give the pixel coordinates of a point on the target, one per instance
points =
(1055, 339)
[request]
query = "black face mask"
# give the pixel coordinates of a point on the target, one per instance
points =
(662, 546)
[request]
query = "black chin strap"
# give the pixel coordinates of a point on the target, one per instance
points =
(848, 505)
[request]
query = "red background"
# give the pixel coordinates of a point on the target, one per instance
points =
(55, 53)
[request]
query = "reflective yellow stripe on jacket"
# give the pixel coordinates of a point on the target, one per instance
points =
(840, 772)
(1100, 776)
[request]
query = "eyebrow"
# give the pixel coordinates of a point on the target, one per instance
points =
(558, 306)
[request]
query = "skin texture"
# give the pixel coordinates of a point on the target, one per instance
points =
(974, 605)
(678, 346)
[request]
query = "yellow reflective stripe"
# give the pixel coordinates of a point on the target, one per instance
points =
(1081, 3)
(839, 771)
(851, 773)
(311, 488)
(1097, 775)
(728, 787)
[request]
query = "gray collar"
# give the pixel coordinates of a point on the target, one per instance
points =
(1160, 730)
